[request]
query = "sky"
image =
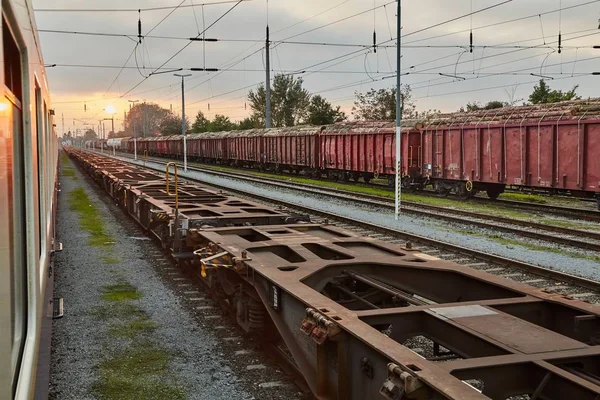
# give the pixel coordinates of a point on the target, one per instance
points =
(332, 53)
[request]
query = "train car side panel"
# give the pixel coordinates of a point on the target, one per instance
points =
(492, 155)
(591, 158)
(566, 157)
(514, 155)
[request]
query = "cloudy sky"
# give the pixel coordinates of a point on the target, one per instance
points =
(88, 68)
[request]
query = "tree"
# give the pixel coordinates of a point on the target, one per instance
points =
(247, 123)
(380, 105)
(491, 105)
(89, 134)
(201, 124)
(542, 94)
(221, 123)
(171, 125)
(289, 102)
(145, 119)
(320, 112)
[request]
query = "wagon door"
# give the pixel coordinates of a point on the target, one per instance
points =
(588, 154)
(567, 157)
(540, 155)
(491, 155)
(515, 151)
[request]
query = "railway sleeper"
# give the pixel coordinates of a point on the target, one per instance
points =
(367, 319)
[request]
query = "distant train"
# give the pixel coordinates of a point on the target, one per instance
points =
(553, 148)
(28, 178)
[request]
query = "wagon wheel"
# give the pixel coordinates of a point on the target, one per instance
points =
(367, 178)
(407, 185)
(465, 190)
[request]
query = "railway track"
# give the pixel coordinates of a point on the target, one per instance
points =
(550, 280)
(580, 213)
(587, 240)
(466, 322)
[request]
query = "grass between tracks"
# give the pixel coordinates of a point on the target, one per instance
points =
(136, 366)
(486, 209)
(67, 167)
(89, 218)
(530, 246)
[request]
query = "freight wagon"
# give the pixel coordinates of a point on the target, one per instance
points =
(552, 148)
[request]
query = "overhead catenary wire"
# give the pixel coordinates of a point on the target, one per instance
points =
(162, 65)
(529, 47)
(86, 10)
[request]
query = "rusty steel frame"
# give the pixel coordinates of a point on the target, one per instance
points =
(491, 337)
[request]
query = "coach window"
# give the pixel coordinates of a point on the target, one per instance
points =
(12, 196)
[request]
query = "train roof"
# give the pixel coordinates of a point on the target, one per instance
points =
(562, 111)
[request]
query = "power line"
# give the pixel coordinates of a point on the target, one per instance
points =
(214, 3)
(503, 22)
(179, 51)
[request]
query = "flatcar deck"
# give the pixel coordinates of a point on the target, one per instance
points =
(345, 305)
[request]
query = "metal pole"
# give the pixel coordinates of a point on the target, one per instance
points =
(132, 102)
(183, 124)
(268, 82)
(183, 132)
(398, 114)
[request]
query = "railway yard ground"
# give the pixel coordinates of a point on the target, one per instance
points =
(546, 252)
(137, 326)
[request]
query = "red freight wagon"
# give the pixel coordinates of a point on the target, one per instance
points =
(142, 145)
(158, 145)
(552, 147)
(174, 146)
(212, 147)
(294, 149)
(244, 147)
(161, 145)
(208, 147)
(368, 150)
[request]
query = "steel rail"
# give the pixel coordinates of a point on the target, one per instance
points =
(415, 208)
(414, 238)
(567, 212)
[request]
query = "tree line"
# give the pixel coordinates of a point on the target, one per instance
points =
(541, 94)
(292, 104)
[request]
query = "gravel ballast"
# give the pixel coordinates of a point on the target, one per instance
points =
(133, 326)
(424, 226)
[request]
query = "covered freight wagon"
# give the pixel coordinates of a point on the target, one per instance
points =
(368, 150)
(553, 147)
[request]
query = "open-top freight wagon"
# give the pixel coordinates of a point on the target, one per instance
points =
(552, 148)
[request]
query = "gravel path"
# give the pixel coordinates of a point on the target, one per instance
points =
(452, 233)
(134, 327)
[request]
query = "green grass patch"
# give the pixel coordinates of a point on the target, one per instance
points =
(67, 169)
(120, 292)
(69, 172)
(526, 198)
(570, 224)
(530, 246)
(111, 260)
(89, 218)
(137, 373)
(117, 310)
(131, 329)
